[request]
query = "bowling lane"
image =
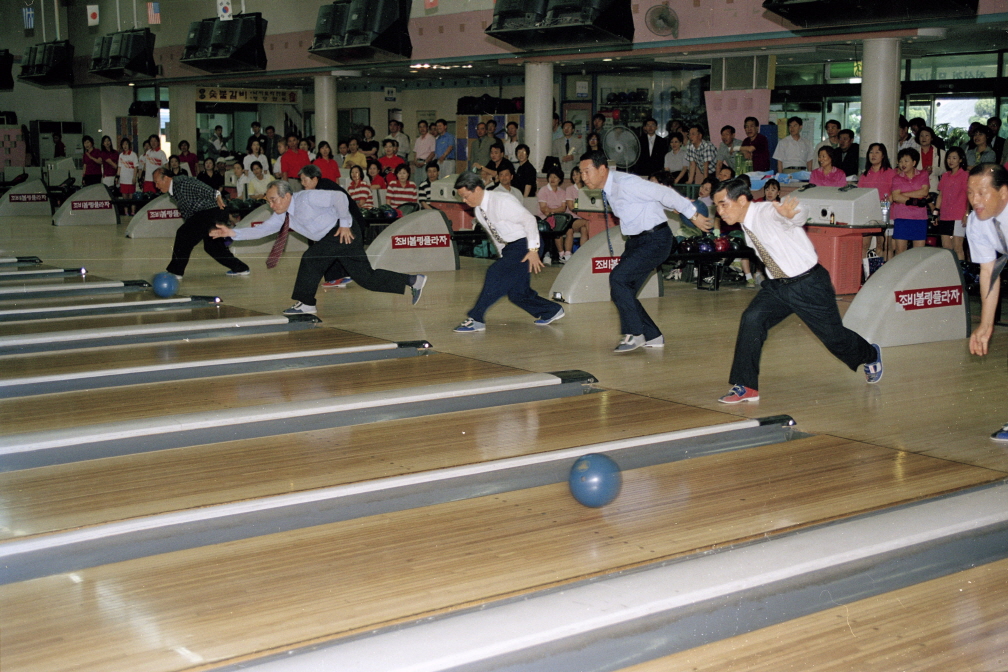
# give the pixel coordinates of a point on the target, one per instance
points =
(178, 352)
(134, 402)
(20, 285)
(182, 314)
(63, 497)
(957, 622)
(127, 297)
(258, 596)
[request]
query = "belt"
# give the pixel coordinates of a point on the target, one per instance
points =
(795, 278)
(663, 225)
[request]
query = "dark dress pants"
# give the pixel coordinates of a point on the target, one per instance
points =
(198, 228)
(813, 299)
(643, 254)
(324, 253)
(509, 276)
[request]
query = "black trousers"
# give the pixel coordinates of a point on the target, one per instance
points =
(509, 276)
(813, 299)
(643, 254)
(198, 228)
(329, 253)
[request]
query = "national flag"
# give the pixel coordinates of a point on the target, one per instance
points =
(224, 10)
(28, 14)
(92, 15)
(153, 13)
(430, 4)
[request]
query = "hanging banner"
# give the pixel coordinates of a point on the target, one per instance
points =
(233, 95)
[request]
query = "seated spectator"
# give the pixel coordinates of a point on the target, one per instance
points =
(728, 148)
(354, 157)
(424, 190)
(293, 159)
(342, 150)
(374, 176)
(239, 179)
(675, 160)
(175, 166)
(209, 176)
(827, 174)
(553, 202)
(706, 191)
(281, 150)
(326, 163)
(359, 189)
(771, 191)
(391, 160)
(489, 171)
(400, 189)
(578, 225)
(256, 154)
(257, 181)
(848, 150)
(725, 173)
(504, 176)
(525, 173)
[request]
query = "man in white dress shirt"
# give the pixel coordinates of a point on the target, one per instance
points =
(796, 284)
(516, 234)
(323, 217)
(640, 206)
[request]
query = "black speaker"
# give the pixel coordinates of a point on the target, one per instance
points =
(144, 108)
(358, 31)
(552, 24)
(813, 14)
(227, 46)
(6, 70)
(48, 64)
(130, 52)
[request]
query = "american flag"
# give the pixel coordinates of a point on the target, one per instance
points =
(153, 13)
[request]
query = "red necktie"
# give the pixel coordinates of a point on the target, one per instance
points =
(281, 242)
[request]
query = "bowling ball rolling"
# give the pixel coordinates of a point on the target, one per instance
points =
(165, 285)
(595, 480)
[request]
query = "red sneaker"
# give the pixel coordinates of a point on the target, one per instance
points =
(738, 394)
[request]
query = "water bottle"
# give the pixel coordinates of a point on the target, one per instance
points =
(885, 212)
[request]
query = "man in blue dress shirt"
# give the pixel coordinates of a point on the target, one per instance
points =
(444, 148)
(640, 206)
(323, 217)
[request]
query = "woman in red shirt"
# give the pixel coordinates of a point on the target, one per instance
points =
(951, 205)
(326, 163)
(359, 190)
(93, 161)
(878, 175)
(827, 174)
(400, 190)
(374, 175)
(908, 186)
(188, 158)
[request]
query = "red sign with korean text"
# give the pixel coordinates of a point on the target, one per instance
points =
(604, 264)
(421, 240)
(932, 297)
(91, 205)
(165, 213)
(28, 198)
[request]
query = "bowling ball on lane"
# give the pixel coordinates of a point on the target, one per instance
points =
(165, 285)
(595, 480)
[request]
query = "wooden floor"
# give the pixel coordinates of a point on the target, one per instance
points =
(360, 574)
(181, 314)
(176, 352)
(957, 622)
(922, 431)
(12, 302)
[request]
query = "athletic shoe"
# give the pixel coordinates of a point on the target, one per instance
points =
(177, 277)
(751, 283)
(738, 394)
(873, 371)
(629, 343)
(656, 342)
(238, 274)
(417, 287)
(543, 321)
(339, 284)
(546, 260)
(301, 309)
(470, 326)
(1001, 434)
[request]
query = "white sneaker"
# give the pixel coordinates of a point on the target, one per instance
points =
(547, 261)
(301, 309)
(629, 343)
(656, 342)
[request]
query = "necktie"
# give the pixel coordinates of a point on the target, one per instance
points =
(568, 148)
(605, 211)
(490, 227)
(281, 242)
(768, 261)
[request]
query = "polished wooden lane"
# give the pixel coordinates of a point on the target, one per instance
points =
(182, 314)
(133, 402)
(69, 496)
(33, 270)
(248, 598)
(957, 622)
(176, 352)
(31, 284)
(129, 296)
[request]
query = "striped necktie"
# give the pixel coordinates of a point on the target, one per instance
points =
(768, 261)
(281, 242)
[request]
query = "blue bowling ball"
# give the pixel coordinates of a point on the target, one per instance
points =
(595, 480)
(165, 285)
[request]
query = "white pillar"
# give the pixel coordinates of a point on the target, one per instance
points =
(182, 116)
(880, 94)
(539, 111)
(325, 110)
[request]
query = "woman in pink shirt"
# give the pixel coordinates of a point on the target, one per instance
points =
(827, 174)
(951, 204)
(553, 201)
(878, 175)
(908, 212)
(578, 224)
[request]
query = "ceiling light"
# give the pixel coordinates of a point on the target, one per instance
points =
(606, 60)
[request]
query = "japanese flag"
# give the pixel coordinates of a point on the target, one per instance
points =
(92, 15)
(224, 10)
